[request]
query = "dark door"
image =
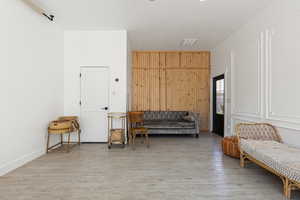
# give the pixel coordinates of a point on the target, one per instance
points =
(218, 105)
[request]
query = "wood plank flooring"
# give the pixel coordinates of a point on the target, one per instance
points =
(173, 168)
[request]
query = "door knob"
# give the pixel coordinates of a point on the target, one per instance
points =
(105, 108)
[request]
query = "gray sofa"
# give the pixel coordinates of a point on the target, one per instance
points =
(172, 122)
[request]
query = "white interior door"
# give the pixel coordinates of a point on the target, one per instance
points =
(94, 103)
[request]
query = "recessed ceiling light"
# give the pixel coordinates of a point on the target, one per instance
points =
(202, 0)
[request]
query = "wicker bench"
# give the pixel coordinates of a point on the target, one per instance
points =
(261, 144)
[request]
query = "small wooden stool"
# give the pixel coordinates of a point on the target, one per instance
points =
(230, 147)
(136, 120)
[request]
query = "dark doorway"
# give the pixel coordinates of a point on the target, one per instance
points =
(218, 104)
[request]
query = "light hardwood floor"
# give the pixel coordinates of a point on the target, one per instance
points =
(173, 168)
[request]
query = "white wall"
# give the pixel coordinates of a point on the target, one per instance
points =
(262, 63)
(95, 48)
(30, 82)
(129, 76)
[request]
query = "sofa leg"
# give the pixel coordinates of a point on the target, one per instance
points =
(197, 135)
(288, 192)
(287, 188)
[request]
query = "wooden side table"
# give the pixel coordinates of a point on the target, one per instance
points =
(116, 129)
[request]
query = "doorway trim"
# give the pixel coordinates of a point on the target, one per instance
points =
(214, 103)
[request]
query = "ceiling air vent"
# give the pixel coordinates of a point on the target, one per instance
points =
(189, 42)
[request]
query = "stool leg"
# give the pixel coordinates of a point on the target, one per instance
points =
(133, 140)
(109, 139)
(48, 138)
(61, 139)
(79, 142)
(142, 138)
(147, 140)
(129, 138)
(69, 138)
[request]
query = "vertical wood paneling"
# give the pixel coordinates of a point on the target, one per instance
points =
(154, 84)
(186, 59)
(172, 59)
(163, 89)
(135, 83)
(172, 81)
(162, 81)
(154, 89)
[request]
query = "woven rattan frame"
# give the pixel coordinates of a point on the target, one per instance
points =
(288, 185)
(73, 126)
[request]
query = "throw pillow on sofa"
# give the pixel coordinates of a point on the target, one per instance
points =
(188, 118)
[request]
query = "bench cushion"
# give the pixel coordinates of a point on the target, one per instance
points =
(280, 157)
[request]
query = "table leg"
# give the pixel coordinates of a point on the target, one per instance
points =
(69, 138)
(147, 140)
(48, 138)
(79, 139)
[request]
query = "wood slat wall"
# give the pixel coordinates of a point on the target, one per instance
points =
(172, 81)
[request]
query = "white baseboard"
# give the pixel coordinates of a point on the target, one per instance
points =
(10, 166)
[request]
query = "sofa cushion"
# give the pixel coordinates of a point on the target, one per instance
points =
(164, 115)
(167, 124)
